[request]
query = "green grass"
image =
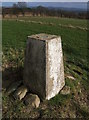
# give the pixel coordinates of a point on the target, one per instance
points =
(56, 20)
(60, 99)
(15, 35)
(74, 42)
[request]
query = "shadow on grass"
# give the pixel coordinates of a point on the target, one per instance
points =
(10, 75)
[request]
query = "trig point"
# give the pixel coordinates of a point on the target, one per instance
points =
(44, 70)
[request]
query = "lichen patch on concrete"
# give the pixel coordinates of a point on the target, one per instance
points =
(54, 62)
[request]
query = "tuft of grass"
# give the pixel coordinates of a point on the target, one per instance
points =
(82, 110)
(59, 99)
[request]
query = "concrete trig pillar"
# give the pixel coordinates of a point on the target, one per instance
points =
(44, 70)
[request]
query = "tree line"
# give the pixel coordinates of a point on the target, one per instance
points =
(22, 8)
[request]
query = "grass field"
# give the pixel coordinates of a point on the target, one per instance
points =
(74, 41)
(56, 20)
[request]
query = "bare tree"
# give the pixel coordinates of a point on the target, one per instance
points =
(3, 12)
(15, 9)
(22, 6)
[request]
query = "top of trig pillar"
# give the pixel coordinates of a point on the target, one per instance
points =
(43, 36)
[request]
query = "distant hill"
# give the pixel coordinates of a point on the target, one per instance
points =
(64, 8)
(68, 9)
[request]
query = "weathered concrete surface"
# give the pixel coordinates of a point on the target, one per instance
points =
(55, 70)
(35, 66)
(44, 70)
